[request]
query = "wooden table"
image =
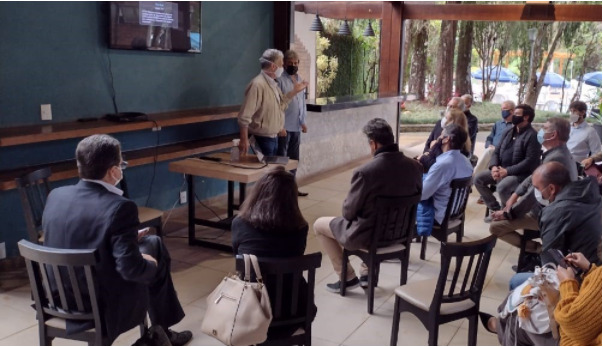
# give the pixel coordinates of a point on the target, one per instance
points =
(248, 170)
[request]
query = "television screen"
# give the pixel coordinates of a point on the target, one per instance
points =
(173, 26)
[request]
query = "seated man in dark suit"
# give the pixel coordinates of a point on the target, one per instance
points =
(389, 173)
(134, 269)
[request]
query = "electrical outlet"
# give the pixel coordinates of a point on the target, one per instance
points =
(46, 112)
(2, 250)
(183, 197)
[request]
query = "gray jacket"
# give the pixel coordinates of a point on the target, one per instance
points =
(525, 190)
(389, 173)
(573, 221)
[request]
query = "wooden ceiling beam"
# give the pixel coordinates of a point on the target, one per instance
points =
(527, 12)
(477, 12)
(342, 9)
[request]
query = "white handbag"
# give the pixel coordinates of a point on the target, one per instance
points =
(535, 301)
(238, 311)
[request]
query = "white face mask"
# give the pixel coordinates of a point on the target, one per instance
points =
(118, 180)
(443, 122)
(542, 201)
(574, 117)
(279, 72)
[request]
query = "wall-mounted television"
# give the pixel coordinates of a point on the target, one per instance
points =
(173, 26)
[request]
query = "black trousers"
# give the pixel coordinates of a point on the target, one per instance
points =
(164, 307)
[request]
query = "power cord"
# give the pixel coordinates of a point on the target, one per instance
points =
(155, 157)
(112, 84)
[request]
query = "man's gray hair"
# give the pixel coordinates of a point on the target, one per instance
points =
(291, 55)
(510, 103)
(270, 56)
(460, 103)
(561, 126)
(467, 97)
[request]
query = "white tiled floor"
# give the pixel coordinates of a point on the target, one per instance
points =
(340, 320)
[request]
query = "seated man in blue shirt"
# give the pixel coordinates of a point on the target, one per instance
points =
(449, 165)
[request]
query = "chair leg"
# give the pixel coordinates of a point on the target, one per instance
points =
(433, 334)
(472, 339)
(423, 247)
(395, 323)
(308, 337)
(459, 235)
(404, 267)
(372, 283)
(159, 230)
(344, 273)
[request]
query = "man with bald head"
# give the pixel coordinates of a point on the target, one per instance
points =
(571, 218)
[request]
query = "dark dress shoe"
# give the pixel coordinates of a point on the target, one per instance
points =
(301, 193)
(485, 318)
(181, 338)
(153, 336)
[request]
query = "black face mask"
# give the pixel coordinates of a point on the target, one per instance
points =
(291, 70)
(517, 119)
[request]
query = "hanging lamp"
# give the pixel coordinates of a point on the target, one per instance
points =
(317, 24)
(344, 28)
(369, 30)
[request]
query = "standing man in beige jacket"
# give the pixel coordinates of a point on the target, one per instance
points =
(262, 112)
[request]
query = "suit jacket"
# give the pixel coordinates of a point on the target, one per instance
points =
(390, 173)
(87, 215)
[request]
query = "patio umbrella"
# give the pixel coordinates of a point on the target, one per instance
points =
(554, 80)
(506, 75)
(593, 79)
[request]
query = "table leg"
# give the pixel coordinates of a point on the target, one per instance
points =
(230, 199)
(242, 190)
(190, 193)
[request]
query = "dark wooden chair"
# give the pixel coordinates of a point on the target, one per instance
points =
(525, 237)
(391, 238)
(57, 279)
(282, 276)
(148, 217)
(454, 219)
(33, 191)
(452, 300)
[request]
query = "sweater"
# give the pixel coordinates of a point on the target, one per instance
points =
(579, 310)
(262, 111)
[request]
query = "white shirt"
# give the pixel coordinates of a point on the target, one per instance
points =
(111, 188)
(582, 141)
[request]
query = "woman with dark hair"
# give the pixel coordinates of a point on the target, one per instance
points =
(270, 224)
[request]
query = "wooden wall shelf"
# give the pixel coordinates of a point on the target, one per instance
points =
(68, 169)
(21, 135)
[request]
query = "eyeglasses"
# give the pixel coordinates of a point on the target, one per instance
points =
(123, 165)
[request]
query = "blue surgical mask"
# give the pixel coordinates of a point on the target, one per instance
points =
(540, 136)
(505, 113)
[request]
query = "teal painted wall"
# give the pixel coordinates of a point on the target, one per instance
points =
(57, 53)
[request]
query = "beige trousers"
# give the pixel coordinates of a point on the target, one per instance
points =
(333, 249)
(506, 230)
(484, 161)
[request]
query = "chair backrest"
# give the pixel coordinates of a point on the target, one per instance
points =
(457, 202)
(395, 220)
(279, 271)
(471, 260)
(33, 190)
(63, 282)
